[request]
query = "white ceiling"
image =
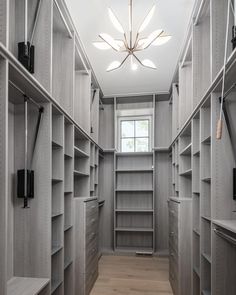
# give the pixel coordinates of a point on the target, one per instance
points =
(91, 18)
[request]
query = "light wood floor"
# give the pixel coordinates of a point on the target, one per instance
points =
(124, 275)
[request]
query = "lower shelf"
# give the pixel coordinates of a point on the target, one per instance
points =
(138, 250)
(55, 285)
(26, 286)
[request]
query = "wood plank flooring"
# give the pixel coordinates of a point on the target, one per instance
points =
(125, 275)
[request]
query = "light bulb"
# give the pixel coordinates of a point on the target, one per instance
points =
(113, 66)
(161, 40)
(147, 20)
(115, 21)
(134, 66)
(102, 45)
(150, 39)
(148, 63)
(110, 41)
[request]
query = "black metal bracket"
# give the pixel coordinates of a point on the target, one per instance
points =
(26, 55)
(234, 37)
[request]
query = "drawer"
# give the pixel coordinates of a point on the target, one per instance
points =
(92, 264)
(91, 279)
(91, 251)
(91, 207)
(174, 241)
(174, 209)
(92, 220)
(90, 237)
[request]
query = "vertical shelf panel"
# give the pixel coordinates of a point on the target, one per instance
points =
(134, 202)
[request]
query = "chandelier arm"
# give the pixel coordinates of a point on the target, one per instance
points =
(131, 21)
(126, 42)
(154, 40)
(136, 41)
(120, 64)
(108, 44)
(142, 63)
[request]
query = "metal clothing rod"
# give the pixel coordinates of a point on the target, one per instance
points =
(229, 91)
(36, 17)
(186, 53)
(26, 152)
(26, 22)
(25, 95)
(225, 236)
(63, 19)
(86, 69)
(199, 12)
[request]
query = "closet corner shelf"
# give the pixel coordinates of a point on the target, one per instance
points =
(68, 156)
(134, 154)
(207, 140)
(132, 210)
(67, 264)
(197, 270)
(196, 153)
(134, 229)
(134, 190)
(207, 218)
(26, 286)
(80, 174)
(57, 214)
(134, 170)
(226, 224)
(186, 151)
(55, 284)
(101, 203)
(56, 249)
(207, 179)
(56, 145)
(79, 153)
(56, 180)
(207, 257)
(68, 192)
(187, 173)
(196, 231)
(67, 227)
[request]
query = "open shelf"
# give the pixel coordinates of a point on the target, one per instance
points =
(79, 153)
(26, 286)
(134, 229)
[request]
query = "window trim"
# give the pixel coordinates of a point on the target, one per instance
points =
(148, 117)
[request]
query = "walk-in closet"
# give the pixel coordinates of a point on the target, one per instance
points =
(117, 147)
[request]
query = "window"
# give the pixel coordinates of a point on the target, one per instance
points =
(135, 135)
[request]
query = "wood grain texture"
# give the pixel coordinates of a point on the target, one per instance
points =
(3, 172)
(161, 197)
(125, 275)
(162, 124)
(26, 286)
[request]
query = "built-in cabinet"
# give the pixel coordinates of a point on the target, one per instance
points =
(202, 165)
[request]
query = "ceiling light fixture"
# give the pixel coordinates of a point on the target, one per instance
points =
(156, 38)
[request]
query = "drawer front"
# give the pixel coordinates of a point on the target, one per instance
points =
(90, 280)
(174, 271)
(91, 237)
(91, 207)
(91, 251)
(174, 209)
(174, 240)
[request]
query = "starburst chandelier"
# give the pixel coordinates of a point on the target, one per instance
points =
(129, 45)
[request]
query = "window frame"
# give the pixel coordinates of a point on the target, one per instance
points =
(135, 118)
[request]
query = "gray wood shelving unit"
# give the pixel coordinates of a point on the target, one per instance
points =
(205, 174)
(134, 222)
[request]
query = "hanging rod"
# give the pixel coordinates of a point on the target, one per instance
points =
(225, 236)
(63, 19)
(228, 91)
(199, 12)
(36, 17)
(86, 69)
(25, 95)
(186, 53)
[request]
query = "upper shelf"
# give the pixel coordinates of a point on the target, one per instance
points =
(25, 286)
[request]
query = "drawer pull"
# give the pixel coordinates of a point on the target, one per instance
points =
(172, 254)
(172, 233)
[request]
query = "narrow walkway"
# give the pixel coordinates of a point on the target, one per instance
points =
(124, 275)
